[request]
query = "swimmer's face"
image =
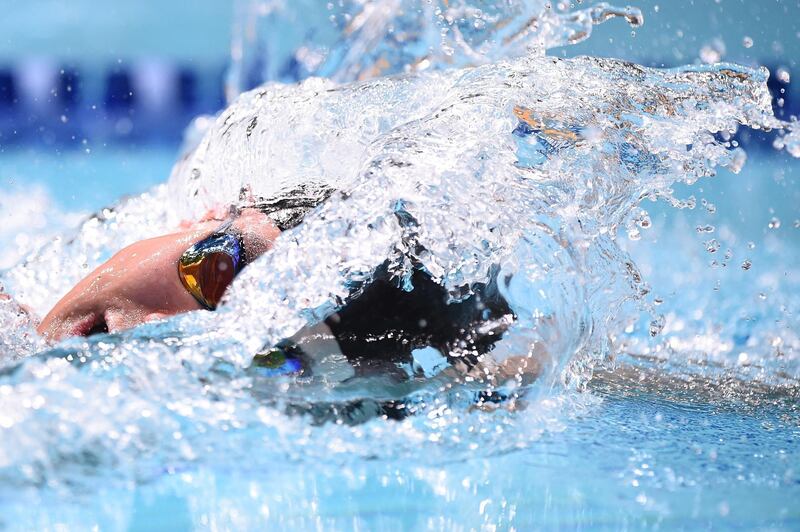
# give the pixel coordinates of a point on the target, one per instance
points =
(140, 283)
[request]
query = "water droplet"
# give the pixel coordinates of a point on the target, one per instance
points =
(737, 160)
(774, 223)
(747, 42)
(657, 325)
(709, 55)
(713, 51)
(747, 264)
(643, 220)
(793, 144)
(762, 296)
(705, 228)
(712, 246)
(783, 75)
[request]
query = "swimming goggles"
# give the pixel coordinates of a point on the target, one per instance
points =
(208, 267)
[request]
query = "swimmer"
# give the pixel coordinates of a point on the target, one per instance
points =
(376, 331)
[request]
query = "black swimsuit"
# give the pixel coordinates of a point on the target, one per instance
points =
(381, 325)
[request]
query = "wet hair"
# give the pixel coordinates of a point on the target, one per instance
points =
(288, 208)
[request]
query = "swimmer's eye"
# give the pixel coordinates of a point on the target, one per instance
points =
(208, 267)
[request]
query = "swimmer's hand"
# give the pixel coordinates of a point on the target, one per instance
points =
(140, 283)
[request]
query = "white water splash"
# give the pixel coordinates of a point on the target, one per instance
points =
(527, 166)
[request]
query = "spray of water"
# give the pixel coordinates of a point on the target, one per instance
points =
(481, 157)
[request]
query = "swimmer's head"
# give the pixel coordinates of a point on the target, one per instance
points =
(143, 282)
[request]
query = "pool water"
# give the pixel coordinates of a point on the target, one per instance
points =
(669, 397)
(44, 192)
(652, 444)
(630, 459)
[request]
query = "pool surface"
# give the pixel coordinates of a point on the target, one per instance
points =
(640, 224)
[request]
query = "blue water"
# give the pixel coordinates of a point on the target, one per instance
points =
(696, 428)
(639, 461)
(88, 179)
(636, 459)
(652, 447)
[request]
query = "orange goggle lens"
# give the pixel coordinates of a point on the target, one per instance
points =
(207, 268)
